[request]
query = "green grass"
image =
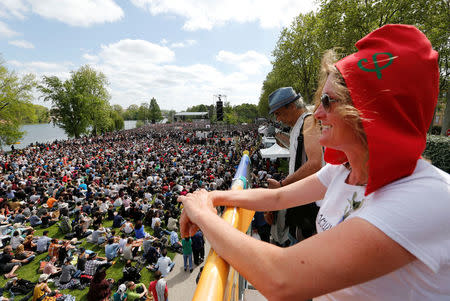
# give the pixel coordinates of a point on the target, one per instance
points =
(30, 271)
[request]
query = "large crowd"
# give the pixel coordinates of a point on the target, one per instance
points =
(132, 178)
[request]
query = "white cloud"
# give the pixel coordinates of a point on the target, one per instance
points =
(82, 13)
(90, 58)
(206, 14)
(21, 44)
(138, 70)
(13, 8)
(78, 13)
(186, 43)
(5, 31)
(135, 52)
(250, 62)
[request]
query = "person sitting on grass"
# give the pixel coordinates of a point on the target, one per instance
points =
(53, 248)
(67, 271)
(121, 294)
(47, 220)
(43, 242)
(117, 220)
(127, 227)
(130, 273)
(164, 264)
(28, 244)
(139, 230)
(8, 265)
(136, 292)
(174, 242)
(51, 269)
(93, 263)
(111, 249)
(35, 221)
(16, 240)
(97, 236)
(131, 248)
(100, 288)
(42, 291)
(21, 254)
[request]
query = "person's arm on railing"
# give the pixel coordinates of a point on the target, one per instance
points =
(316, 266)
(299, 193)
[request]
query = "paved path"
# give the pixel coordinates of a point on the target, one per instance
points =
(181, 284)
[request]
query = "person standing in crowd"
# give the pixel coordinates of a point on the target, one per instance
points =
(187, 253)
(305, 158)
(158, 288)
(198, 247)
(383, 222)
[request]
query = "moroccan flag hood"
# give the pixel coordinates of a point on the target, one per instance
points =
(393, 81)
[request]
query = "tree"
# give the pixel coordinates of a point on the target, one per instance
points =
(143, 112)
(39, 114)
(131, 113)
(117, 121)
(198, 108)
(341, 23)
(154, 111)
(15, 105)
(79, 102)
(246, 112)
(353, 19)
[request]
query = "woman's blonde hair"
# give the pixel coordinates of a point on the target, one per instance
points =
(20, 249)
(345, 109)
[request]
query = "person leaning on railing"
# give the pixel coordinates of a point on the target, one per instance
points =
(383, 224)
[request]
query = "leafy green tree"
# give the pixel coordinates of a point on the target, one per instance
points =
(344, 22)
(154, 110)
(39, 114)
(198, 108)
(272, 82)
(143, 112)
(79, 102)
(15, 106)
(297, 56)
(117, 121)
(246, 112)
(131, 113)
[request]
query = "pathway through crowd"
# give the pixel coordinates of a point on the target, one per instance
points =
(182, 284)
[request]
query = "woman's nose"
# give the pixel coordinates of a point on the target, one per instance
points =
(320, 112)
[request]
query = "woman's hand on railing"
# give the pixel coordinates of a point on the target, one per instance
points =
(195, 205)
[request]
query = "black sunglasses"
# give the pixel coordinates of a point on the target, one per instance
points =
(326, 101)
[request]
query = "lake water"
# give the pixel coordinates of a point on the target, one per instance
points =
(48, 133)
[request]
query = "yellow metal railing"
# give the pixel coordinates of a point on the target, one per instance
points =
(219, 281)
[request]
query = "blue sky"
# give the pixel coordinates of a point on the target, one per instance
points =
(182, 52)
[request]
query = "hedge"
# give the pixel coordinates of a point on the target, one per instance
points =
(438, 151)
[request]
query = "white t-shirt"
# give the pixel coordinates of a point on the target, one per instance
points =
(413, 211)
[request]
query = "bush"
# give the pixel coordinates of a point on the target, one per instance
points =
(437, 151)
(139, 123)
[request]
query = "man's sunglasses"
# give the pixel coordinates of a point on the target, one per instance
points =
(326, 101)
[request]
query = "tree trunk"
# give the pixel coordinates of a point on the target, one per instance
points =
(446, 120)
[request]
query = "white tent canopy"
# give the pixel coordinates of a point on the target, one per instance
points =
(274, 152)
(268, 141)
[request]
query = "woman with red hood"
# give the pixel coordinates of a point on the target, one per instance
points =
(383, 227)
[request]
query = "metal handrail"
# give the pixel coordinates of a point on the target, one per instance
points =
(217, 283)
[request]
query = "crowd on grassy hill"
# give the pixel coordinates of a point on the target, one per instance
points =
(117, 192)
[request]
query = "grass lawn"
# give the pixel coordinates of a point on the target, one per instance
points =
(30, 271)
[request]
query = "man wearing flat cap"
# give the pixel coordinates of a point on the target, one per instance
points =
(305, 159)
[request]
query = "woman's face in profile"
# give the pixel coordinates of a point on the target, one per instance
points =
(336, 132)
